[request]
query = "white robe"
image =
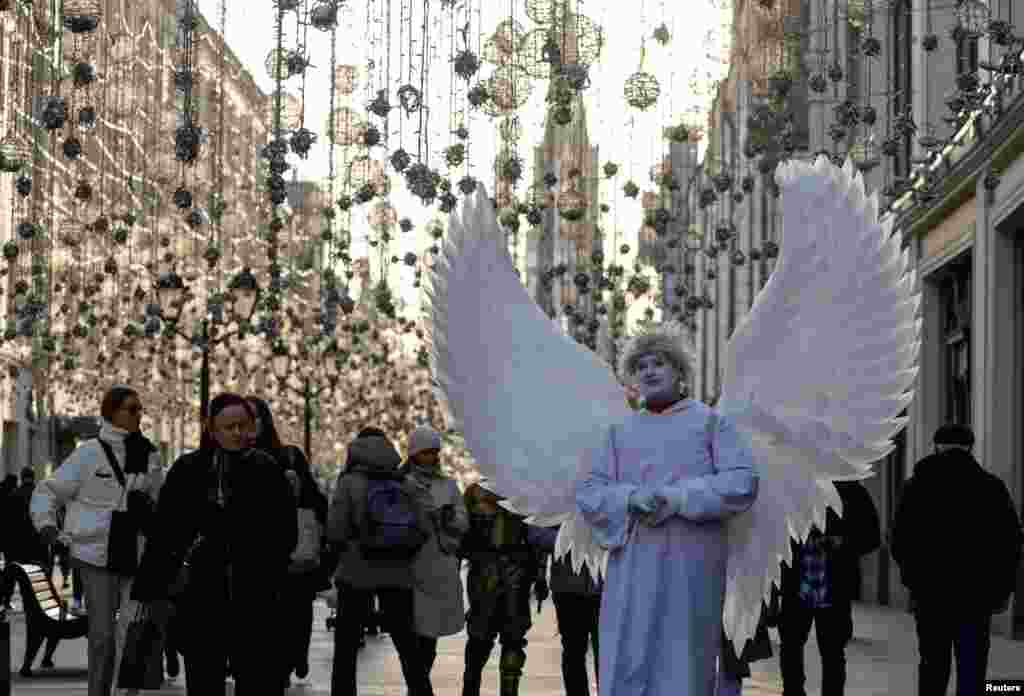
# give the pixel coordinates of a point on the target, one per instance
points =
(661, 610)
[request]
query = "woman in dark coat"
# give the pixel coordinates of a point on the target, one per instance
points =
(305, 578)
(228, 512)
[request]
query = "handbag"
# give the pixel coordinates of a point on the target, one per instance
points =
(177, 588)
(306, 555)
(142, 660)
(123, 540)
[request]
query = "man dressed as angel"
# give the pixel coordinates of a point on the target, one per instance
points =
(658, 494)
(686, 511)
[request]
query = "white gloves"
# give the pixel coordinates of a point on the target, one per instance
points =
(671, 501)
(642, 501)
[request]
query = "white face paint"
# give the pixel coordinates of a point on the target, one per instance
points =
(657, 379)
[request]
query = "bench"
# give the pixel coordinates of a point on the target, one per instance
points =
(46, 614)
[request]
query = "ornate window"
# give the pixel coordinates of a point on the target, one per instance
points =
(956, 305)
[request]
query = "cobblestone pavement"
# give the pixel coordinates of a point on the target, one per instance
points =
(881, 661)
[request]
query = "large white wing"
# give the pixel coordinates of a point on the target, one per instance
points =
(817, 372)
(527, 398)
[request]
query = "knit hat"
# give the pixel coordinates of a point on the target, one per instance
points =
(955, 434)
(423, 438)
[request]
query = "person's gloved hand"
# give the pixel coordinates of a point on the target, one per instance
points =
(642, 501)
(541, 591)
(671, 502)
(160, 610)
(48, 535)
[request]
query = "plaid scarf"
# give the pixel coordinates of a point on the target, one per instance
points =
(814, 589)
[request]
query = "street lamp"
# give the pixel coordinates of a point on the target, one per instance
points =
(281, 363)
(172, 296)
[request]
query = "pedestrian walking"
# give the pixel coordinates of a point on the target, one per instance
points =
(503, 569)
(819, 589)
(438, 609)
(305, 576)
(109, 486)
(577, 599)
(28, 545)
(733, 668)
(379, 526)
(957, 540)
(226, 529)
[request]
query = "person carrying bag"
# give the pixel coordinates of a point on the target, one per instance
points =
(142, 661)
(108, 487)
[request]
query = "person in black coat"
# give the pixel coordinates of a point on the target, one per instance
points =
(819, 588)
(305, 579)
(957, 540)
(228, 512)
(577, 599)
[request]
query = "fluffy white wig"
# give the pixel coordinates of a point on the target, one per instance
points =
(671, 340)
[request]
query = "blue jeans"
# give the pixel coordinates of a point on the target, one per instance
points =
(939, 631)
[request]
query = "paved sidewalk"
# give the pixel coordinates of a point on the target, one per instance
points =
(881, 661)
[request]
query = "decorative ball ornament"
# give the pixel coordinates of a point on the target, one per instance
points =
(349, 128)
(508, 90)
(642, 90)
(72, 148)
(382, 217)
(87, 117)
(466, 64)
(83, 74)
(82, 16)
(546, 12)
(276, 64)
(364, 170)
(345, 78)
(972, 17)
(15, 153)
(510, 130)
(410, 98)
(572, 205)
(324, 15)
(508, 36)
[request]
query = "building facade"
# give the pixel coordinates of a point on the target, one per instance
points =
(135, 52)
(946, 155)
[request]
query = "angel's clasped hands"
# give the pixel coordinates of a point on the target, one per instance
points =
(655, 505)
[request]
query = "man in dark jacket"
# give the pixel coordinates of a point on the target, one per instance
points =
(27, 546)
(371, 456)
(819, 588)
(503, 568)
(957, 540)
(577, 598)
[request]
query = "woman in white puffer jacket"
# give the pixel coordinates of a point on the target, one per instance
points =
(87, 485)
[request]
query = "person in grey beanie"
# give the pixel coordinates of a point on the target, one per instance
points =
(438, 610)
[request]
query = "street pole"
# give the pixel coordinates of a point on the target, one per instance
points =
(204, 378)
(309, 422)
(6, 586)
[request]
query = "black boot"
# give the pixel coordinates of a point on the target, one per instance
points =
(513, 658)
(478, 651)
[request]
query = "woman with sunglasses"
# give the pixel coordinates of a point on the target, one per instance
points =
(118, 471)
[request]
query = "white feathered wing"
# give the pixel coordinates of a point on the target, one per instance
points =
(817, 372)
(529, 400)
